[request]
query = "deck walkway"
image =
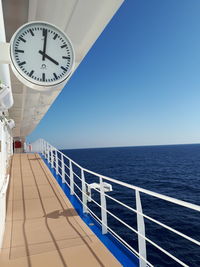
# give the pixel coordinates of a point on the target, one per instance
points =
(42, 228)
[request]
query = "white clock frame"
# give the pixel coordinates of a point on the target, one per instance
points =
(38, 85)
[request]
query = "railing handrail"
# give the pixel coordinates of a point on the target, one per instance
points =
(53, 158)
(134, 210)
(146, 191)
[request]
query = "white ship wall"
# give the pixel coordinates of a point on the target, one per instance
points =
(6, 150)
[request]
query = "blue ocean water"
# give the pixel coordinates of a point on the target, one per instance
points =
(173, 170)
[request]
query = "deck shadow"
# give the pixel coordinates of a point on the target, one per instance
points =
(58, 213)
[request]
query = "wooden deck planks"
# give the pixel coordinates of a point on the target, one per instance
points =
(42, 228)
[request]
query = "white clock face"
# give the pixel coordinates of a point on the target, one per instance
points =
(42, 54)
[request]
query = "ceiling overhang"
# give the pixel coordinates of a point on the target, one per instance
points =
(82, 20)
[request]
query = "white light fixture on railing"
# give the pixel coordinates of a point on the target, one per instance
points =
(106, 186)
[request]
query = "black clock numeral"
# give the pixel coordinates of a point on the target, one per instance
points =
(19, 51)
(31, 73)
(43, 77)
(63, 68)
(66, 57)
(62, 46)
(31, 32)
(22, 39)
(55, 76)
(22, 63)
(56, 35)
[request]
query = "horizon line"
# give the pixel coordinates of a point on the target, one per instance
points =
(128, 146)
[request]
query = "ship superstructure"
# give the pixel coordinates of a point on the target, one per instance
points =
(45, 215)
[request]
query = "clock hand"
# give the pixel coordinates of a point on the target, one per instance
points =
(45, 43)
(48, 57)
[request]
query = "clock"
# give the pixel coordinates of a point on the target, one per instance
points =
(42, 56)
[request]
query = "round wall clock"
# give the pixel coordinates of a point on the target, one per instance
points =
(42, 56)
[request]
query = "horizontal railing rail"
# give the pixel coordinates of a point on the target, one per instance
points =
(57, 159)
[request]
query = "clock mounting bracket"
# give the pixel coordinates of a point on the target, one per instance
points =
(5, 53)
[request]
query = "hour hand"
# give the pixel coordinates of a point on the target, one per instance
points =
(44, 55)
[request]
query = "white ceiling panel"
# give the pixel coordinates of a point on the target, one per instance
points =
(82, 20)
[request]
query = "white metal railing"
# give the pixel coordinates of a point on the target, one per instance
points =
(60, 162)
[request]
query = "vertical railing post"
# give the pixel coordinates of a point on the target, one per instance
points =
(52, 157)
(46, 149)
(48, 152)
(71, 175)
(49, 147)
(63, 168)
(103, 207)
(141, 230)
(43, 147)
(56, 156)
(40, 150)
(84, 192)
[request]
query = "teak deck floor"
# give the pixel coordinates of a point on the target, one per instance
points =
(42, 228)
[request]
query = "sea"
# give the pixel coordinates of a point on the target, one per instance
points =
(172, 170)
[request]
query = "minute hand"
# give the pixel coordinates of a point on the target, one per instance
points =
(48, 57)
(45, 43)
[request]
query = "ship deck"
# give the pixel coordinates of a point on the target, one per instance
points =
(42, 227)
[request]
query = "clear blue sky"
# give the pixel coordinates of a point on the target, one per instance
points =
(138, 85)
